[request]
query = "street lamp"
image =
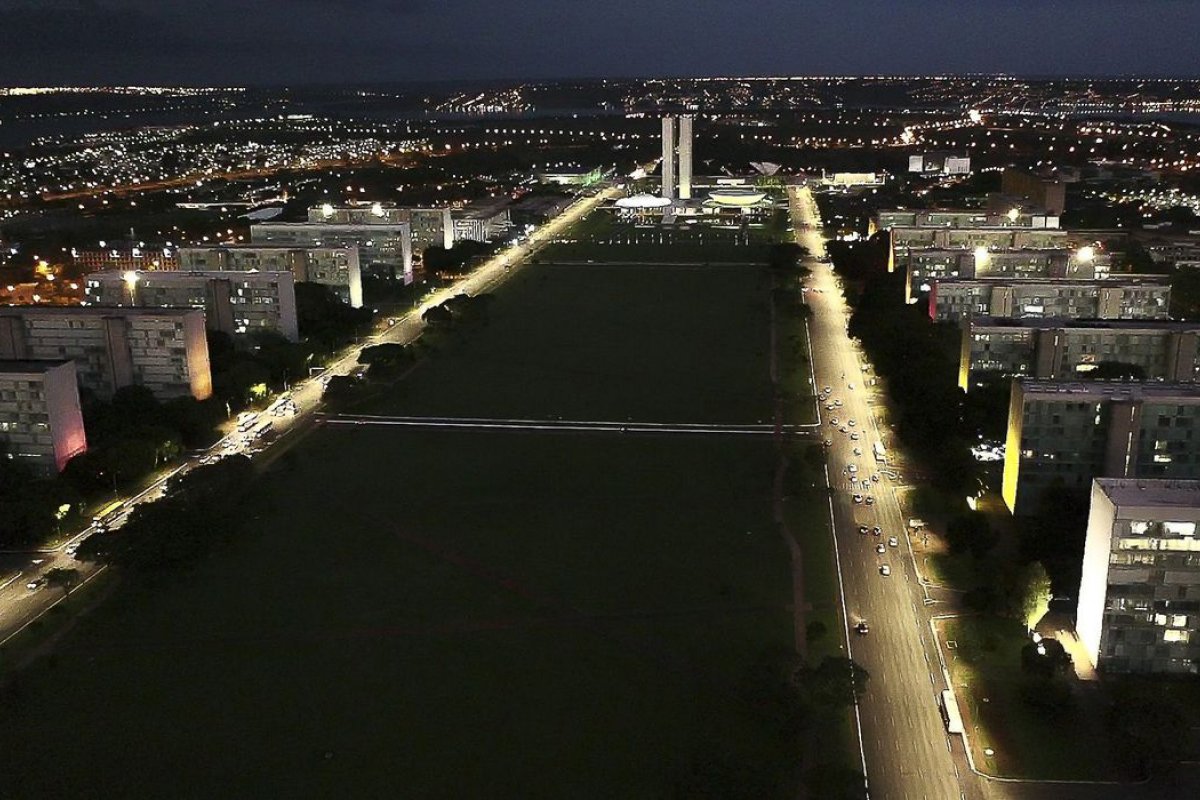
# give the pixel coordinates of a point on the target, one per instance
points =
(131, 281)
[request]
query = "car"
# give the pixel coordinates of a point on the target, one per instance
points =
(862, 628)
(858, 498)
(833, 421)
(844, 429)
(852, 468)
(893, 541)
(862, 529)
(829, 407)
(870, 500)
(36, 583)
(850, 386)
(72, 549)
(885, 570)
(857, 451)
(851, 423)
(827, 389)
(828, 442)
(875, 478)
(879, 548)
(854, 436)
(877, 530)
(837, 403)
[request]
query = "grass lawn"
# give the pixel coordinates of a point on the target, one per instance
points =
(608, 342)
(1027, 742)
(454, 614)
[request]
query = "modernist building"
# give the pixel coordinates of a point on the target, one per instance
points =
(164, 350)
(1044, 193)
(670, 150)
(1064, 349)
(40, 421)
(125, 256)
(1139, 598)
(382, 247)
(1141, 297)
(483, 222)
(925, 266)
(431, 227)
(233, 302)
(335, 267)
(937, 163)
(970, 218)
(1062, 434)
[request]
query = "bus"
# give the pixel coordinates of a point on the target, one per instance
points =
(950, 714)
(106, 514)
(260, 430)
(880, 453)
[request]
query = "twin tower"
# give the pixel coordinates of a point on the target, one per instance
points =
(685, 158)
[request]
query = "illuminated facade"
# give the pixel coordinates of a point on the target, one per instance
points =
(164, 350)
(1143, 297)
(1045, 193)
(1066, 349)
(40, 422)
(948, 219)
(125, 256)
(925, 266)
(383, 247)
(1139, 598)
(430, 227)
(668, 158)
(1062, 434)
(233, 302)
(335, 267)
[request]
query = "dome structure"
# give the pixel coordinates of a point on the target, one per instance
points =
(739, 198)
(642, 201)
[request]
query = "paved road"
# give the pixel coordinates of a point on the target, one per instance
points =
(20, 606)
(907, 750)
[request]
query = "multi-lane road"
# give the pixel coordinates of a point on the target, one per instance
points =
(907, 751)
(20, 606)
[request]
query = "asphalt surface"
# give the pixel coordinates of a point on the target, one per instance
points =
(907, 751)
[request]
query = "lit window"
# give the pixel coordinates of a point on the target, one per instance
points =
(1176, 636)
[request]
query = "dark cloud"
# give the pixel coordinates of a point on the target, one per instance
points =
(295, 41)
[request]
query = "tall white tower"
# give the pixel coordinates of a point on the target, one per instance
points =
(685, 158)
(668, 158)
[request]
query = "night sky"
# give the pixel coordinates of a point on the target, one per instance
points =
(252, 42)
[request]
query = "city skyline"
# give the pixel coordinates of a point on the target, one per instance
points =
(107, 42)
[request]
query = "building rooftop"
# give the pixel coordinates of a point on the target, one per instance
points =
(1109, 282)
(29, 366)
(179, 274)
(1146, 492)
(1123, 390)
(1054, 323)
(94, 310)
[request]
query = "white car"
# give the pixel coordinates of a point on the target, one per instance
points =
(837, 403)
(36, 583)
(858, 498)
(833, 421)
(851, 423)
(857, 452)
(852, 469)
(854, 436)
(850, 386)
(879, 548)
(893, 541)
(870, 500)
(885, 570)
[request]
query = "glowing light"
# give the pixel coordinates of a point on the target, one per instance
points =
(1013, 213)
(981, 255)
(1086, 254)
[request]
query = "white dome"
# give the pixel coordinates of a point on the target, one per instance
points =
(643, 201)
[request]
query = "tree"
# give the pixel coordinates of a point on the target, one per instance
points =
(65, 578)
(1033, 594)
(1147, 726)
(1115, 370)
(835, 682)
(835, 782)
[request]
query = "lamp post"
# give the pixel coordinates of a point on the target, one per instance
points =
(131, 281)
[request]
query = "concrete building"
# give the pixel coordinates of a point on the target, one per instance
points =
(430, 227)
(233, 302)
(1139, 597)
(41, 425)
(685, 157)
(125, 256)
(953, 218)
(925, 266)
(939, 163)
(483, 222)
(1044, 193)
(1063, 349)
(668, 158)
(1062, 434)
(164, 350)
(1140, 297)
(335, 267)
(383, 247)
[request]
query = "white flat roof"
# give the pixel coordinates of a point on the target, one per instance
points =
(1149, 492)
